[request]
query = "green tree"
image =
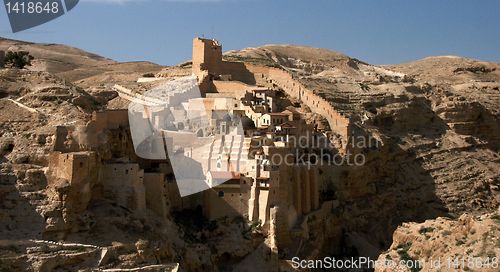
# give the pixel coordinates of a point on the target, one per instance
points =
(18, 59)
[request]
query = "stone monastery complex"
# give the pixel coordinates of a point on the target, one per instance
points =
(265, 105)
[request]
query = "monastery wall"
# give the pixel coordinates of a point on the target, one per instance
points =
(226, 200)
(238, 72)
(73, 167)
(156, 193)
(207, 57)
(174, 199)
(75, 174)
(60, 137)
(339, 123)
(110, 119)
(123, 183)
(232, 88)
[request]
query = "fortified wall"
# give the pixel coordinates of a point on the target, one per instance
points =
(276, 77)
(72, 139)
(110, 119)
(208, 66)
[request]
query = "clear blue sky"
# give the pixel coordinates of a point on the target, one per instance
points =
(379, 32)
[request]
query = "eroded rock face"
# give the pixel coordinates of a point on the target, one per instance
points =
(467, 243)
(436, 126)
(23, 197)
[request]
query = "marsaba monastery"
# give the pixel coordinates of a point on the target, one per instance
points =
(98, 161)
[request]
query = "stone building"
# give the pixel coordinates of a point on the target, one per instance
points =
(208, 66)
(207, 56)
(231, 198)
(245, 179)
(272, 119)
(278, 194)
(124, 184)
(110, 171)
(71, 176)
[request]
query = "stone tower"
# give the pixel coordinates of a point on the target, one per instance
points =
(207, 56)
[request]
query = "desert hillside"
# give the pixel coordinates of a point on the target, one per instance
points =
(439, 121)
(73, 64)
(435, 176)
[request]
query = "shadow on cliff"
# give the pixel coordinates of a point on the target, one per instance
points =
(485, 126)
(400, 190)
(19, 219)
(393, 186)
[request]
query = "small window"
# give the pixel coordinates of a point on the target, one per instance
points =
(81, 164)
(221, 194)
(126, 172)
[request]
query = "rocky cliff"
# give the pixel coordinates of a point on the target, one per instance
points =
(437, 121)
(436, 159)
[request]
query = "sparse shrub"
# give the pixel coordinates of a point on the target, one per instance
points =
(256, 226)
(403, 246)
(253, 227)
(427, 253)
(18, 59)
(425, 230)
(446, 232)
(364, 87)
(491, 254)
(45, 248)
(7, 147)
(405, 256)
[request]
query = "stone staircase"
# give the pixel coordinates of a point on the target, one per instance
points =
(227, 153)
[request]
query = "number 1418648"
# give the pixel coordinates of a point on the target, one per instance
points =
(32, 7)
